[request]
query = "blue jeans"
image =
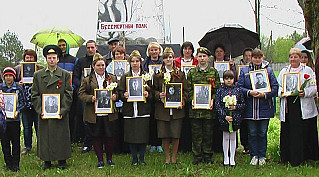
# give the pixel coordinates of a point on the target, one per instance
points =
(29, 117)
(257, 137)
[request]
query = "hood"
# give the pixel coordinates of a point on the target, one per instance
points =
(264, 64)
(67, 48)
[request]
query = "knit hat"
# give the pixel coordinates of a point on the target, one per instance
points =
(8, 71)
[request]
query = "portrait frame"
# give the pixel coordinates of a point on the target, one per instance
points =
(173, 102)
(218, 65)
(113, 67)
(26, 78)
(12, 109)
(205, 89)
(47, 112)
(185, 68)
(265, 88)
(287, 90)
(139, 95)
(86, 72)
(239, 68)
(154, 68)
(104, 110)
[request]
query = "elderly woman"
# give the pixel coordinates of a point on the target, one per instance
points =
(298, 115)
(169, 120)
(259, 107)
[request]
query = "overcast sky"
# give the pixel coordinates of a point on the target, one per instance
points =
(27, 17)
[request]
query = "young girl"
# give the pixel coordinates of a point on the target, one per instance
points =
(229, 115)
(10, 141)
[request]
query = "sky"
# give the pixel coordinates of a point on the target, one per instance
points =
(25, 18)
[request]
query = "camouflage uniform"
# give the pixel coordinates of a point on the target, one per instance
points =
(201, 119)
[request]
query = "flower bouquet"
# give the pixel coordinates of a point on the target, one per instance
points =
(230, 101)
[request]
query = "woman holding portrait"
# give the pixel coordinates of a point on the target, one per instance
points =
(298, 115)
(169, 120)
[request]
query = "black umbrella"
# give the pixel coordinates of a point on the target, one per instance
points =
(306, 41)
(234, 37)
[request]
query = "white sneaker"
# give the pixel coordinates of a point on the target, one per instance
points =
(262, 161)
(254, 161)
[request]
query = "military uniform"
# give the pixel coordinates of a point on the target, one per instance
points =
(201, 120)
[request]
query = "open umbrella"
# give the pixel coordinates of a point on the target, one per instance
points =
(52, 35)
(234, 37)
(306, 41)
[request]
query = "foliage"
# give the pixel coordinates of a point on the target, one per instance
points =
(281, 49)
(296, 36)
(11, 49)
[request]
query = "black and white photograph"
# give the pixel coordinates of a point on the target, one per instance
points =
(260, 81)
(154, 68)
(135, 89)
(86, 72)
(10, 104)
(202, 96)
(27, 71)
(174, 95)
(221, 66)
(239, 69)
(291, 82)
(104, 103)
(119, 68)
(51, 106)
(186, 68)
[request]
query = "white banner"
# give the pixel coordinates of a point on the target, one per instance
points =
(119, 26)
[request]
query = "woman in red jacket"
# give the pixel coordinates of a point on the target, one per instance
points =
(187, 57)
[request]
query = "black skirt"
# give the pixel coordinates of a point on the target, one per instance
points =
(298, 137)
(102, 128)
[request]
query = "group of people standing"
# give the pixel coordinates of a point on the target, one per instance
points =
(139, 123)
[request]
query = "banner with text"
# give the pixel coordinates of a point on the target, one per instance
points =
(119, 26)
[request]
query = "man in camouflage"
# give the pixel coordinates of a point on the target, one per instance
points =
(201, 119)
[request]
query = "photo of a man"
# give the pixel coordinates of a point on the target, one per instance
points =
(28, 70)
(202, 94)
(135, 88)
(260, 81)
(103, 99)
(291, 83)
(51, 104)
(9, 106)
(119, 68)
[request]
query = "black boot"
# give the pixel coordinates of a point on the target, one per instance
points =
(46, 165)
(62, 164)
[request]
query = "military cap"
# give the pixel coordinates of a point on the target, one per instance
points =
(204, 50)
(112, 40)
(52, 49)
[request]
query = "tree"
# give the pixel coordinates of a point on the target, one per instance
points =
(281, 49)
(11, 49)
(296, 36)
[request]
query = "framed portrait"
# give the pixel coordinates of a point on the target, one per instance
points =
(155, 68)
(71, 74)
(104, 103)
(10, 104)
(186, 68)
(202, 96)
(86, 72)
(51, 106)
(260, 81)
(135, 89)
(27, 71)
(221, 66)
(291, 82)
(119, 68)
(174, 95)
(239, 68)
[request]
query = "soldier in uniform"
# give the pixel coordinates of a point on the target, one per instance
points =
(201, 120)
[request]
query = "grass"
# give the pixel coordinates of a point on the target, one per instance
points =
(85, 164)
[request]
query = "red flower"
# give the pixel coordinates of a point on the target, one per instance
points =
(109, 79)
(212, 82)
(59, 84)
(306, 76)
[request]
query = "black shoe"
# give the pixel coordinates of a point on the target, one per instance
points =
(46, 165)
(208, 161)
(110, 163)
(15, 168)
(86, 149)
(8, 167)
(100, 164)
(62, 164)
(196, 161)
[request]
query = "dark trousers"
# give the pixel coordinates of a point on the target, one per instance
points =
(153, 139)
(29, 118)
(74, 130)
(10, 143)
(244, 134)
(108, 145)
(141, 148)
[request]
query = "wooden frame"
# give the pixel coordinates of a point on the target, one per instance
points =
(187, 68)
(52, 111)
(155, 67)
(10, 104)
(291, 82)
(135, 95)
(218, 65)
(27, 76)
(86, 72)
(120, 73)
(202, 96)
(104, 102)
(239, 68)
(260, 87)
(174, 98)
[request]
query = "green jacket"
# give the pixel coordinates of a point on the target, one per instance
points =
(198, 76)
